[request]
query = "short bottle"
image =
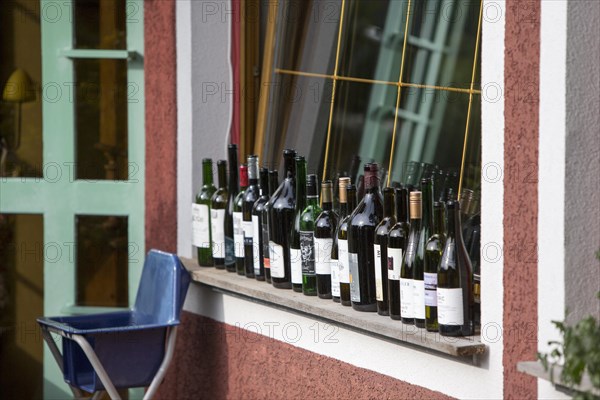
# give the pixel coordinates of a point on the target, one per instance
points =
(361, 232)
(201, 216)
(325, 227)
(380, 251)
(295, 258)
(397, 241)
(238, 222)
(347, 205)
(257, 227)
(218, 205)
(433, 255)
(307, 232)
(251, 194)
(455, 281)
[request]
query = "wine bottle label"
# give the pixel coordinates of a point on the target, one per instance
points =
(394, 263)
(378, 278)
(200, 226)
(419, 298)
(296, 263)
(229, 251)
(335, 278)
(407, 309)
(343, 264)
(430, 282)
(257, 233)
(323, 256)
(238, 234)
(307, 252)
(217, 224)
(354, 277)
(450, 306)
(276, 258)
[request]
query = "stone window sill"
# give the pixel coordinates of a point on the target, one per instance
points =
(330, 312)
(535, 368)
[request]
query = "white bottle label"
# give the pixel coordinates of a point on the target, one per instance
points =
(430, 280)
(335, 278)
(296, 263)
(394, 263)
(450, 306)
(238, 234)
(343, 265)
(323, 256)
(354, 277)
(378, 278)
(200, 226)
(256, 236)
(407, 309)
(276, 258)
(217, 224)
(419, 298)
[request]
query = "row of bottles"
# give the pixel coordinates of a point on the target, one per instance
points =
(401, 254)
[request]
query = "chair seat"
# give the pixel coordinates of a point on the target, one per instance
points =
(119, 321)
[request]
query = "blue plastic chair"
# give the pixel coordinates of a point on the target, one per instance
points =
(125, 349)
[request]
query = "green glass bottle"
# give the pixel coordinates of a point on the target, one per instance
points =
(251, 194)
(238, 222)
(307, 240)
(218, 205)
(295, 258)
(425, 234)
(407, 304)
(347, 199)
(325, 227)
(201, 216)
(433, 255)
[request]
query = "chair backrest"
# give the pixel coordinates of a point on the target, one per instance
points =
(162, 289)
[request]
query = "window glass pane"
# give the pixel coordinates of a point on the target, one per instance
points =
(20, 79)
(100, 24)
(101, 118)
(102, 261)
(21, 302)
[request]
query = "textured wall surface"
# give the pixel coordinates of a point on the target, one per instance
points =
(582, 180)
(214, 360)
(521, 79)
(161, 125)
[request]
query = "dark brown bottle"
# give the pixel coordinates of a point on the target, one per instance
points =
(380, 251)
(257, 228)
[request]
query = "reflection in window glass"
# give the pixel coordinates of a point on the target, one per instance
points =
(21, 302)
(102, 261)
(101, 118)
(101, 24)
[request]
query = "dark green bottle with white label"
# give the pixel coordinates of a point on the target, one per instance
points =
(307, 242)
(201, 216)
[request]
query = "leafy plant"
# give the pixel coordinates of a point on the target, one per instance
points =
(580, 352)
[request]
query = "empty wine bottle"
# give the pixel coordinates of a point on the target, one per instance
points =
(418, 267)
(232, 193)
(295, 258)
(238, 218)
(257, 229)
(218, 205)
(325, 226)
(281, 218)
(380, 251)
(307, 231)
(361, 232)
(397, 241)
(455, 281)
(251, 194)
(201, 216)
(347, 206)
(407, 305)
(433, 255)
(273, 184)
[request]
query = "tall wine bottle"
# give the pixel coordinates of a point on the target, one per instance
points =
(201, 216)
(433, 255)
(418, 268)
(347, 206)
(325, 227)
(257, 228)
(273, 184)
(380, 251)
(307, 232)
(455, 281)
(295, 258)
(407, 305)
(281, 218)
(335, 263)
(238, 219)
(397, 241)
(231, 195)
(361, 233)
(251, 194)
(218, 205)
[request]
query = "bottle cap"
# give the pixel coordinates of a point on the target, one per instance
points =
(311, 185)
(327, 191)
(243, 175)
(253, 167)
(371, 178)
(415, 205)
(207, 161)
(221, 162)
(343, 183)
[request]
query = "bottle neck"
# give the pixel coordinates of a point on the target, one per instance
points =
(233, 171)
(438, 218)
(289, 166)
(453, 219)
(273, 182)
(264, 182)
(343, 210)
(351, 201)
(300, 185)
(207, 174)
(388, 203)
(427, 205)
(326, 198)
(402, 212)
(222, 171)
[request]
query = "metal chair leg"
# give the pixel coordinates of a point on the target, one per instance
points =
(160, 374)
(78, 394)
